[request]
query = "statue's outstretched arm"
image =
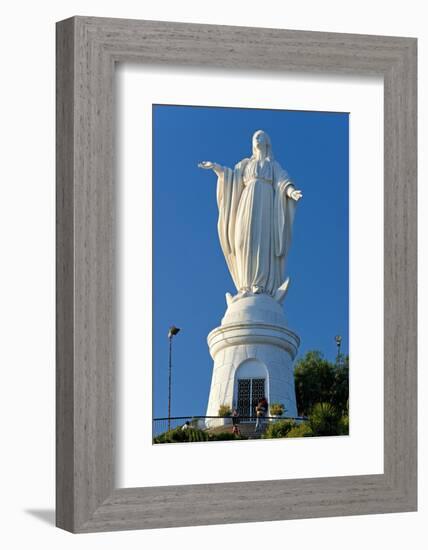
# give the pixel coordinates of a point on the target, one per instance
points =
(208, 165)
(283, 179)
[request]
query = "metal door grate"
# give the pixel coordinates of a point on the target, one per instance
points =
(244, 397)
(250, 391)
(257, 392)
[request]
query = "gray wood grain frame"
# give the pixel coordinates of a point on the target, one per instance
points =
(87, 50)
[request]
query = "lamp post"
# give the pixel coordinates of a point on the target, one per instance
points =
(338, 340)
(171, 333)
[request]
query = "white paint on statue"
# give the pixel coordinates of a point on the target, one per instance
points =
(256, 202)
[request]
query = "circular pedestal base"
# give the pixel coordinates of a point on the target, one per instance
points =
(252, 349)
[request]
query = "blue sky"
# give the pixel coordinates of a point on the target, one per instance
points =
(189, 272)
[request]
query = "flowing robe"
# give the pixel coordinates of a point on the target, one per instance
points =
(255, 223)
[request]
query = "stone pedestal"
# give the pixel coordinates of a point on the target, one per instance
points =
(253, 342)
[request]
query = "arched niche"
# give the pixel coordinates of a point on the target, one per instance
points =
(250, 384)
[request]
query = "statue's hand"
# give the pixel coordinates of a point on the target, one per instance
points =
(296, 194)
(208, 165)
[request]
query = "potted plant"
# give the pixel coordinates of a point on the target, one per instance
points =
(225, 412)
(277, 409)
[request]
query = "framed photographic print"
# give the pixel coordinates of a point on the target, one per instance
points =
(236, 274)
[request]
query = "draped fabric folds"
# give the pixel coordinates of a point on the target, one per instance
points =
(255, 223)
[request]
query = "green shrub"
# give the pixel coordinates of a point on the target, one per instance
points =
(340, 389)
(178, 435)
(162, 438)
(314, 379)
(301, 430)
(324, 420)
(225, 411)
(319, 381)
(278, 429)
(223, 436)
(276, 409)
(344, 425)
(195, 434)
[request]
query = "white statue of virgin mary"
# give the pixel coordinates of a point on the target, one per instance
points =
(256, 202)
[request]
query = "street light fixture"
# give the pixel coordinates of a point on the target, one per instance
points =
(338, 340)
(173, 331)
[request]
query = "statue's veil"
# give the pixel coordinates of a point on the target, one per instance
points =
(269, 152)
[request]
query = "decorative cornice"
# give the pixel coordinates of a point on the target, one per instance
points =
(235, 334)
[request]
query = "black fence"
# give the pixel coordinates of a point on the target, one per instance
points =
(161, 425)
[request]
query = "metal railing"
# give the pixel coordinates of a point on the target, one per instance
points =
(160, 425)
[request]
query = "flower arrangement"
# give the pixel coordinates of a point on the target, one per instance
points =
(277, 409)
(224, 411)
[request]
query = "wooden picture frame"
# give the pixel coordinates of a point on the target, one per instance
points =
(87, 50)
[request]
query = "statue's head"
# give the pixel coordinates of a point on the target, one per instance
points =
(262, 144)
